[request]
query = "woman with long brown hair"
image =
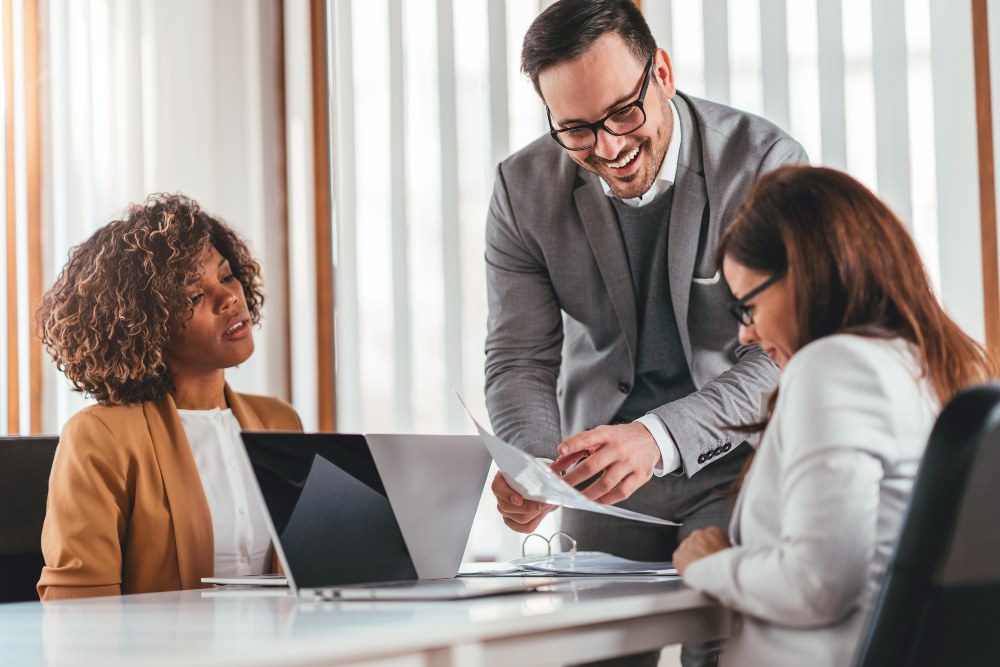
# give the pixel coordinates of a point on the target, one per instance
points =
(829, 283)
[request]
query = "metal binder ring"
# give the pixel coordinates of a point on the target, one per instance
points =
(572, 541)
(548, 545)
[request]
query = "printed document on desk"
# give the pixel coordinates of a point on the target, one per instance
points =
(536, 481)
(572, 564)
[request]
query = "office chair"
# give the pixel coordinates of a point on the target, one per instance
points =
(25, 463)
(940, 600)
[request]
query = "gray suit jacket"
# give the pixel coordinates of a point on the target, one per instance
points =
(562, 340)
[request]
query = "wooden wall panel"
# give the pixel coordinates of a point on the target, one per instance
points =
(326, 354)
(987, 181)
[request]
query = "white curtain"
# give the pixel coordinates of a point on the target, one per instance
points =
(144, 96)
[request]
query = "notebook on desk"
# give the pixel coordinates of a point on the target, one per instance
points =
(345, 510)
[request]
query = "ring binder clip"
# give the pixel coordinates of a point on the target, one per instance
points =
(524, 544)
(548, 543)
(570, 538)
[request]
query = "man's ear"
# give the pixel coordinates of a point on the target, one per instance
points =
(663, 70)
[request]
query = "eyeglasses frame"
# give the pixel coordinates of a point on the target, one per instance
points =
(600, 125)
(741, 309)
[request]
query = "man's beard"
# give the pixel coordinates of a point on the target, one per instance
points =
(652, 166)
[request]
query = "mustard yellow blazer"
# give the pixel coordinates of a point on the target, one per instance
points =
(126, 511)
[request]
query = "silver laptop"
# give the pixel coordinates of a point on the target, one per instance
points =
(377, 510)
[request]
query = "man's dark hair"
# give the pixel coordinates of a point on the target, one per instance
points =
(569, 27)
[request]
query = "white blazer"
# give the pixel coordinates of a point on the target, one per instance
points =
(821, 507)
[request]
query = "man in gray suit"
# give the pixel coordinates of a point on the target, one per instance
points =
(607, 313)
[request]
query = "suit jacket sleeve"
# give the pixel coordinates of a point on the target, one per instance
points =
(525, 335)
(700, 422)
(835, 434)
(86, 514)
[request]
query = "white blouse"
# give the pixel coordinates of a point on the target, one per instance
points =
(821, 508)
(241, 536)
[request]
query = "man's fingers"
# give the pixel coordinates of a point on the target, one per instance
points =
(597, 461)
(503, 491)
(619, 492)
(563, 463)
(523, 527)
(606, 483)
(525, 523)
(526, 507)
(500, 487)
(580, 442)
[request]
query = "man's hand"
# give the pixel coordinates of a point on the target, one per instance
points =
(626, 455)
(518, 513)
(699, 544)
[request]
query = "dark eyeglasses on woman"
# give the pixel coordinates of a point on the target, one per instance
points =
(741, 308)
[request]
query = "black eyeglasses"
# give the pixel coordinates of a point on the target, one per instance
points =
(628, 118)
(740, 308)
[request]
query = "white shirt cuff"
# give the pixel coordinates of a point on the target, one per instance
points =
(670, 458)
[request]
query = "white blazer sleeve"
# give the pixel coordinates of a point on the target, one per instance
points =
(833, 423)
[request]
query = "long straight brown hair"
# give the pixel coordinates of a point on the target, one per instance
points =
(854, 269)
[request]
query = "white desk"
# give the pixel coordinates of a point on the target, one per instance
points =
(594, 619)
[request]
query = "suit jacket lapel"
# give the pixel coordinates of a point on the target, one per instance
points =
(686, 213)
(248, 419)
(192, 520)
(601, 225)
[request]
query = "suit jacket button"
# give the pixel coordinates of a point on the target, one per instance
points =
(624, 388)
(726, 447)
(701, 458)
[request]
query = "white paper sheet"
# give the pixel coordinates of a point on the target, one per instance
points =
(534, 480)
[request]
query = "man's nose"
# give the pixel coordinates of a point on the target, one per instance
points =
(748, 334)
(608, 145)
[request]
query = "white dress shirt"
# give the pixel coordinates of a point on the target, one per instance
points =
(670, 458)
(822, 505)
(242, 540)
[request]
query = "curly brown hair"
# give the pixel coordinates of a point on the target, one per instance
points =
(109, 317)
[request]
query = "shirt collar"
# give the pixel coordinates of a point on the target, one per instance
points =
(668, 170)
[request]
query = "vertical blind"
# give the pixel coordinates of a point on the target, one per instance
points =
(430, 97)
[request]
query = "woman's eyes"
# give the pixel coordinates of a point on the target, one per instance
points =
(201, 295)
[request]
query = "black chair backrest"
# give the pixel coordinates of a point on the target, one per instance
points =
(25, 463)
(940, 600)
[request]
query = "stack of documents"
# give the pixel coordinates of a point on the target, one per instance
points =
(579, 564)
(592, 563)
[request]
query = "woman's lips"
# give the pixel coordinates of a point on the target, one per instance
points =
(238, 328)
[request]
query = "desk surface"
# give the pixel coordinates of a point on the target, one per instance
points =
(592, 619)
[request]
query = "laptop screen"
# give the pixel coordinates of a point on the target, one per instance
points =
(329, 507)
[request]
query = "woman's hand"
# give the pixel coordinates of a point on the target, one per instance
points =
(699, 544)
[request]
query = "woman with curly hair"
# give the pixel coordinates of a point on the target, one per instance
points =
(146, 492)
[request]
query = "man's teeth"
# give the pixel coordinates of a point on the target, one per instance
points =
(238, 325)
(625, 160)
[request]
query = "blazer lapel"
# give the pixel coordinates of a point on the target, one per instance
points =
(686, 215)
(248, 419)
(189, 512)
(601, 225)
